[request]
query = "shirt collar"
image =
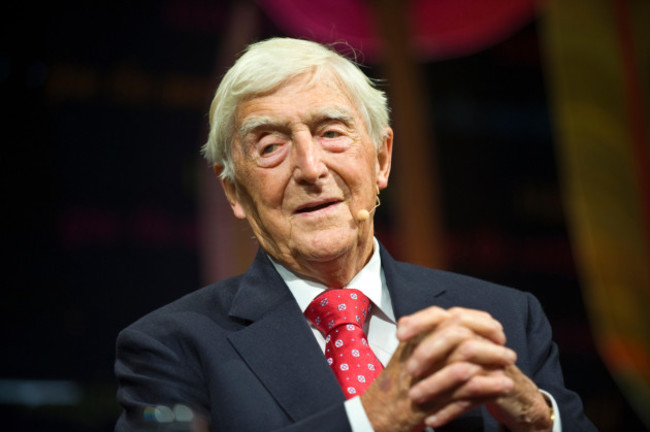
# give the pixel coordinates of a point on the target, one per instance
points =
(370, 281)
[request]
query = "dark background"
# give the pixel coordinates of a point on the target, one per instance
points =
(103, 112)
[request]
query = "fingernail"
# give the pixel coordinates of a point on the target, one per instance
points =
(401, 333)
(415, 394)
(431, 421)
(412, 367)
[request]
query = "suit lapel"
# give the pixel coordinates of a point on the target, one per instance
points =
(278, 345)
(409, 290)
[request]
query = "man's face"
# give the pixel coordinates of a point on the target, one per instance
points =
(305, 165)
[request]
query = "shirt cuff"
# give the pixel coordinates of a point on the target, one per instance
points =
(557, 422)
(357, 416)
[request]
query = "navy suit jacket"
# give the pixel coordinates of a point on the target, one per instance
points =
(241, 352)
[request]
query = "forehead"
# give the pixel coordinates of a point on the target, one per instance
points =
(302, 97)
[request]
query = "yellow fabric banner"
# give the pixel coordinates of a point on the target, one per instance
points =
(597, 59)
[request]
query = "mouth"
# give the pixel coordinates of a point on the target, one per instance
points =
(315, 206)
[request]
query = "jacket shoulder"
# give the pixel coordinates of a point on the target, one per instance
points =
(455, 283)
(210, 303)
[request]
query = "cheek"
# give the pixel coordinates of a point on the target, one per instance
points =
(268, 189)
(358, 168)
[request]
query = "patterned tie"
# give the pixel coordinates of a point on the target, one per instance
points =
(339, 315)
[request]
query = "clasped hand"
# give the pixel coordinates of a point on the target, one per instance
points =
(447, 363)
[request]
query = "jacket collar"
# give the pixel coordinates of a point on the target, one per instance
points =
(410, 290)
(268, 344)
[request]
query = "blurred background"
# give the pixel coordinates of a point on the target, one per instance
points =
(521, 156)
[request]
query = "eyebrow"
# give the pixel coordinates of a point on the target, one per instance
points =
(335, 114)
(252, 124)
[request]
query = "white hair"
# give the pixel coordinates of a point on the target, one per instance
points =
(264, 67)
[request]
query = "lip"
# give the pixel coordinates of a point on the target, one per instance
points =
(316, 206)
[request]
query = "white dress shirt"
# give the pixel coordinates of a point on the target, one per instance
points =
(380, 326)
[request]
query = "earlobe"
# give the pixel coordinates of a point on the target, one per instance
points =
(230, 189)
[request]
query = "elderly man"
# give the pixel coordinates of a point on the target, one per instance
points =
(300, 139)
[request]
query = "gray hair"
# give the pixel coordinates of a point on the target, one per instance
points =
(264, 67)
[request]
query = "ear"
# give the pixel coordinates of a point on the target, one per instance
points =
(230, 189)
(384, 158)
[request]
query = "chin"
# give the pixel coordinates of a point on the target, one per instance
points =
(326, 245)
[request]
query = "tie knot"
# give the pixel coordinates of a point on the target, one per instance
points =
(336, 307)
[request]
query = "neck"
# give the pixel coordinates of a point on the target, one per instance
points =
(337, 272)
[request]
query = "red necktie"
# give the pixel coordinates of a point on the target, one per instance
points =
(339, 315)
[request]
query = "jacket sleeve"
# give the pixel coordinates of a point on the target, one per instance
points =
(544, 369)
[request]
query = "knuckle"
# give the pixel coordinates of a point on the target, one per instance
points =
(425, 353)
(461, 371)
(460, 333)
(404, 321)
(421, 353)
(433, 310)
(472, 388)
(436, 313)
(487, 317)
(485, 314)
(468, 350)
(456, 311)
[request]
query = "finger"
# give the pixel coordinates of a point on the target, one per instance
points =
(456, 343)
(480, 322)
(494, 384)
(449, 412)
(428, 319)
(435, 347)
(469, 397)
(443, 381)
(483, 352)
(420, 322)
(461, 381)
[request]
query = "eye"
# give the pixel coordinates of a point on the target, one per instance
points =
(271, 150)
(268, 144)
(331, 134)
(268, 149)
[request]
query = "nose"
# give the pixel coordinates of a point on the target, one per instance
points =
(308, 165)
